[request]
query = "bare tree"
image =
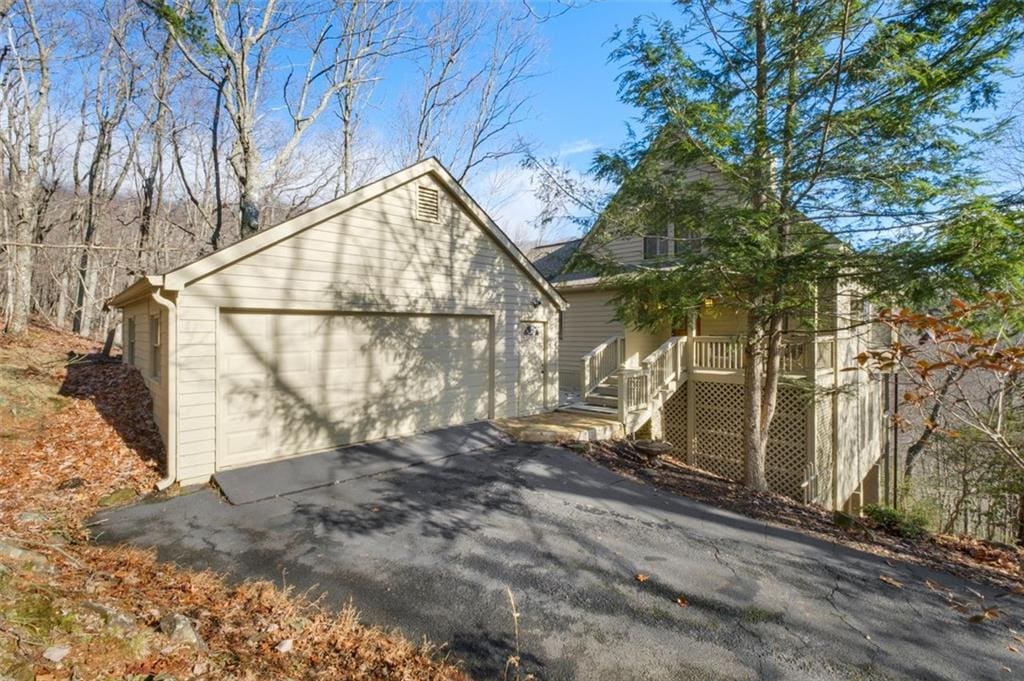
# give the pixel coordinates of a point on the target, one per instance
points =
(236, 52)
(475, 61)
(24, 97)
(113, 79)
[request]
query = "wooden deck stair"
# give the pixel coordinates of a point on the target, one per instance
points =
(627, 389)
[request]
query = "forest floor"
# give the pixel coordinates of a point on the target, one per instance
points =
(77, 435)
(1000, 565)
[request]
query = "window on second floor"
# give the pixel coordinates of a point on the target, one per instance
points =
(656, 247)
(686, 241)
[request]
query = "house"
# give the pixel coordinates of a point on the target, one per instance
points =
(686, 384)
(398, 308)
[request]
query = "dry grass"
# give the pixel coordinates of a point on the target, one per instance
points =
(86, 427)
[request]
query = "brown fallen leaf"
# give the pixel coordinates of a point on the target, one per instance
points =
(1012, 649)
(641, 577)
(890, 581)
(986, 614)
(682, 601)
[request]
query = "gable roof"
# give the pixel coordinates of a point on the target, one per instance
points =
(182, 276)
(551, 259)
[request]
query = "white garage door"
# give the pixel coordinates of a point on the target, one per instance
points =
(296, 383)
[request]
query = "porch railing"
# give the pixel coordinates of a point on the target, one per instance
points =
(602, 362)
(717, 353)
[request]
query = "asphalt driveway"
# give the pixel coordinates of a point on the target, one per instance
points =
(431, 548)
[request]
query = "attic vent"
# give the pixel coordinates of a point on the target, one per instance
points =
(428, 204)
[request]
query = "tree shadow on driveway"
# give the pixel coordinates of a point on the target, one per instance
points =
(431, 549)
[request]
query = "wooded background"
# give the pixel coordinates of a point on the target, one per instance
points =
(136, 135)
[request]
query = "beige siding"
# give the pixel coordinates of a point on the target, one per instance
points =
(626, 251)
(721, 321)
(375, 257)
(142, 312)
(296, 383)
(586, 323)
(639, 344)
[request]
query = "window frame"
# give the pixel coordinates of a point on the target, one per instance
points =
(129, 341)
(155, 354)
(663, 246)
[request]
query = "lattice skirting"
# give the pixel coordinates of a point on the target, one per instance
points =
(717, 443)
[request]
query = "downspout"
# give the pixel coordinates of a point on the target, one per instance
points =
(172, 391)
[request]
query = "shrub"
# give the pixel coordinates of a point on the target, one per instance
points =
(907, 524)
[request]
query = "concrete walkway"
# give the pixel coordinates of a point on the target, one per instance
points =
(431, 549)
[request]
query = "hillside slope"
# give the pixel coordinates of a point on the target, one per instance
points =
(76, 435)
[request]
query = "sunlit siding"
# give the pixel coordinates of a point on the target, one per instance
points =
(375, 257)
(585, 324)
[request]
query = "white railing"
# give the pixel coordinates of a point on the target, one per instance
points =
(725, 353)
(601, 362)
(718, 353)
(659, 374)
(666, 364)
(634, 390)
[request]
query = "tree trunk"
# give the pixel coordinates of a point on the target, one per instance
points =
(755, 446)
(21, 262)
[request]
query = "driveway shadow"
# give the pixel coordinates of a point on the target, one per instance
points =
(433, 549)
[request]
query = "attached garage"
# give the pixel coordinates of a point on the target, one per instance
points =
(296, 383)
(396, 309)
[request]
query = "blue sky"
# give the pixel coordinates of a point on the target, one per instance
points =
(576, 96)
(575, 109)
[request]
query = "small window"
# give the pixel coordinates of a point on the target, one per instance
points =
(428, 204)
(655, 247)
(687, 240)
(129, 341)
(154, 339)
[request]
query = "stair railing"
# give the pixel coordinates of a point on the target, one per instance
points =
(641, 390)
(601, 362)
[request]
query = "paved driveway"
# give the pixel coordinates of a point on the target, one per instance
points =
(431, 548)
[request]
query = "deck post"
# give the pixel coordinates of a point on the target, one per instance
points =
(811, 423)
(691, 389)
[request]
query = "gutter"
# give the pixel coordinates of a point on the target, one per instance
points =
(172, 391)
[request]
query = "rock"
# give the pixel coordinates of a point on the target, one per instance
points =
(111, 616)
(21, 555)
(843, 520)
(651, 449)
(56, 653)
(121, 496)
(33, 517)
(70, 483)
(180, 630)
(285, 646)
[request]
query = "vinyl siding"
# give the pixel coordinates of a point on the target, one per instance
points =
(585, 324)
(375, 257)
(720, 321)
(141, 312)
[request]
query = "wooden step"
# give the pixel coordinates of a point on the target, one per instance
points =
(602, 401)
(581, 408)
(607, 390)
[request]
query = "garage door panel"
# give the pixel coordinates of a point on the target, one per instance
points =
(296, 383)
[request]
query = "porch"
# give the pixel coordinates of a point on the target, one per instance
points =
(618, 382)
(688, 391)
